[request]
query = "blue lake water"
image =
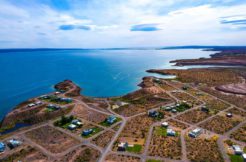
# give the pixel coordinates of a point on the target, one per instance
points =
(101, 73)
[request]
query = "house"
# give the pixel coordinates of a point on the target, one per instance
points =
(72, 126)
(77, 122)
(38, 103)
(229, 115)
(13, 143)
(54, 107)
(111, 119)
(244, 157)
(57, 93)
(171, 132)
(164, 124)
(115, 107)
(153, 114)
(174, 110)
(168, 108)
(44, 97)
(120, 103)
(195, 133)
(87, 132)
(2, 147)
(205, 109)
(31, 105)
(237, 150)
(122, 146)
(67, 100)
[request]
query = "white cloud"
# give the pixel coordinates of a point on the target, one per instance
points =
(111, 24)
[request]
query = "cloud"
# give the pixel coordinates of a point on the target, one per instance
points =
(72, 27)
(115, 23)
(235, 20)
(145, 27)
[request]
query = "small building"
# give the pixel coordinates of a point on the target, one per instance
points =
(44, 97)
(164, 124)
(195, 133)
(115, 107)
(205, 109)
(54, 107)
(229, 115)
(57, 93)
(153, 113)
(68, 100)
(38, 103)
(122, 146)
(13, 143)
(87, 132)
(72, 126)
(77, 122)
(237, 150)
(186, 87)
(171, 132)
(2, 147)
(174, 111)
(111, 119)
(120, 103)
(31, 105)
(244, 157)
(168, 108)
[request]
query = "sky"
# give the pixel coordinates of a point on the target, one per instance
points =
(121, 23)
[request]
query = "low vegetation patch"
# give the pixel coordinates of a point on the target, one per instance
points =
(194, 116)
(240, 134)
(165, 146)
(220, 124)
(199, 149)
(51, 139)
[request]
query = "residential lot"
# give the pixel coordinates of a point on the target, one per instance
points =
(103, 139)
(199, 149)
(240, 134)
(194, 116)
(221, 124)
(81, 154)
(163, 145)
(26, 153)
(51, 139)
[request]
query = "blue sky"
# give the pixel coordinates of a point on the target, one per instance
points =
(121, 23)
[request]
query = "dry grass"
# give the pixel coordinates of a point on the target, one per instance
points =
(237, 100)
(212, 77)
(201, 149)
(82, 154)
(28, 154)
(177, 124)
(168, 147)
(240, 134)
(220, 124)
(121, 158)
(216, 105)
(103, 139)
(88, 114)
(193, 116)
(137, 127)
(186, 97)
(143, 104)
(238, 112)
(51, 139)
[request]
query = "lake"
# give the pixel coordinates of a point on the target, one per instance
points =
(100, 73)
